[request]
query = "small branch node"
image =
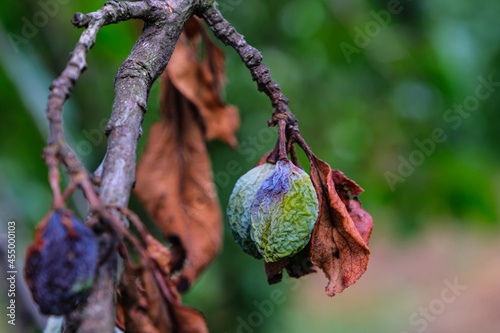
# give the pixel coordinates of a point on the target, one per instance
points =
(80, 20)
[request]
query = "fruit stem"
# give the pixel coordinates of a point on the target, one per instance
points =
(282, 152)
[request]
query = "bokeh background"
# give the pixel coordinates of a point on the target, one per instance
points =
(370, 82)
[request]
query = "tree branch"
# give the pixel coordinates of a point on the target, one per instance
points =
(164, 22)
(146, 62)
(57, 149)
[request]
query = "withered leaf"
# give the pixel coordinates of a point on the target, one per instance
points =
(174, 179)
(300, 264)
(189, 320)
(348, 191)
(362, 220)
(200, 82)
(159, 253)
(296, 266)
(174, 183)
(139, 314)
(345, 185)
(337, 246)
(274, 270)
(157, 308)
(148, 308)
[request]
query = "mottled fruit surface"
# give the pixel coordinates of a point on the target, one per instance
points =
(240, 204)
(283, 212)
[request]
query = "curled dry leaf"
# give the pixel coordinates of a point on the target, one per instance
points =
(362, 220)
(174, 182)
(174, 177)
(300, 263)
(189, 320)
(159, 253)
(337, 247)
(138, 314)
(147, 306)
(274, 270)
(200, 82)
(296, 266)
(348, 191)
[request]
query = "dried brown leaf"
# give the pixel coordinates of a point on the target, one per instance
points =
(274, 270)
(156, 305)
(348, 191)
(346, 185)
(301, 264)
(143, 309)
(200, 81)
(189, 320)
(174, 179)
(159, 253)
(151, 305)
(362, 220)
(296, 266)
(174, 183)
(336, 245)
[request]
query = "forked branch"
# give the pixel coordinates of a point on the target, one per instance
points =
(164, 21)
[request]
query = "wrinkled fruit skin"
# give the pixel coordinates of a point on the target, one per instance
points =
(61, 264)
(239, 207)
(284, 211)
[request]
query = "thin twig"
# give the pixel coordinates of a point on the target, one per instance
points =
(252, 58)
(293, 154)
(282, 151)
(57, 150)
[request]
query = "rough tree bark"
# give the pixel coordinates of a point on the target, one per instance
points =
(164, 22)
(134, 79)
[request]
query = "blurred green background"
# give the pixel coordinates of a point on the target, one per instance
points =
(393, 93)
